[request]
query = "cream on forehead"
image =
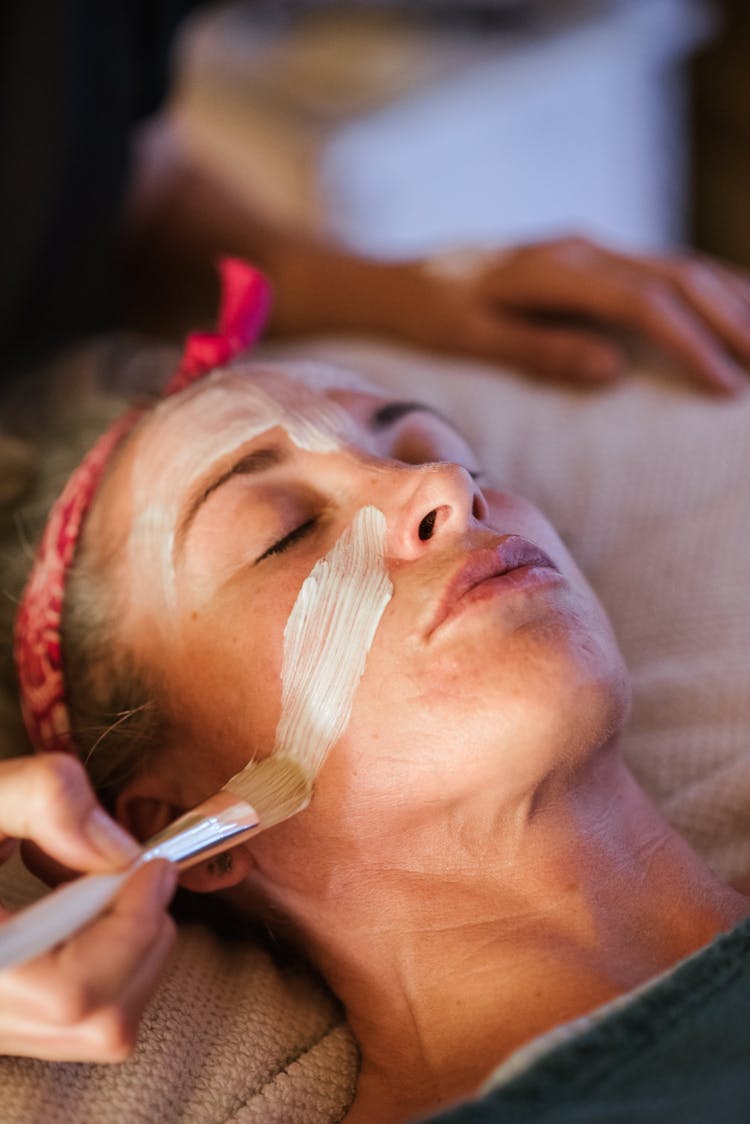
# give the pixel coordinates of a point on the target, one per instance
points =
(326, 640)
(313, 373)
(185, 435)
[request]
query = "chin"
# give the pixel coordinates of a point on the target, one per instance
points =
(577, 700)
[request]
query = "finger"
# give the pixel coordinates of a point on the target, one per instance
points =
(49, 799)
(626, 292)
(83, 1001)
(721, 308)
(650, 307)
(558, 353)
(736, 278)
(43, 866)
(666, 320)
(718, 297)
(107, 1034)
(738, 281)
(130, 926)
(111, 1034)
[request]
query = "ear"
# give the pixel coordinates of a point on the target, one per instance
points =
(144, 815)
(220, 872)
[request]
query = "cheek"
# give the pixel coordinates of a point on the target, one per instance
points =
(228, 684)
(493, 655)
(488, 709)
(509, 514)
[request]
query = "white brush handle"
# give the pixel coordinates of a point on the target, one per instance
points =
(219, 823)
(57, 916)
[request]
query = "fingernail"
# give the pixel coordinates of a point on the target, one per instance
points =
(110, 840)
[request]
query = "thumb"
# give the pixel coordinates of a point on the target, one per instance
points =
(49, 800)
(573, 354)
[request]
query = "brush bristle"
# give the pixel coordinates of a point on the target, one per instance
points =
(277, 788)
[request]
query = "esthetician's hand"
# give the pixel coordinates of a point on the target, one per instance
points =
(550, 308)
(83, 1000)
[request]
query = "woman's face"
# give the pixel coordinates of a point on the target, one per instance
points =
(493, 666)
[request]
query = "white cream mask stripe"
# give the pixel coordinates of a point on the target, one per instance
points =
(231, 409)
(326, 640)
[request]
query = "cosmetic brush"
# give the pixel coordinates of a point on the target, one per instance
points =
(258, 797)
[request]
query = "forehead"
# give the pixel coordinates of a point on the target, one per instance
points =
(221, 411)
(230, 405)
(192, 434)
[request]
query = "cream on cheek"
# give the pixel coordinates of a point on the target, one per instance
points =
(187, 437)
(326, 640)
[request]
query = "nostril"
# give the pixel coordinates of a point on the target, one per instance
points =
(479, 508)
(427, 526)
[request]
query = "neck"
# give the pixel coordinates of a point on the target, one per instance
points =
(512, 924)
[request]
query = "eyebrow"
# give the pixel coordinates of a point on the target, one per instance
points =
(253, 463)
(269, 456)
(394, 411)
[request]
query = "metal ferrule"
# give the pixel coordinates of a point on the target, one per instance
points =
(220, 822)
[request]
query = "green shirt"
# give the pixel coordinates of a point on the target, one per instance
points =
(677, 1051)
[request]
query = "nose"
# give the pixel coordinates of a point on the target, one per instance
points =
(434, 501)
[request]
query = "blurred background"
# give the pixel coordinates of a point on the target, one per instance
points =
(400, 128)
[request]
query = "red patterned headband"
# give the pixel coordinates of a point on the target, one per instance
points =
(245, 302)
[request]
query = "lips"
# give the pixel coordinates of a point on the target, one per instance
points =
(510, 554)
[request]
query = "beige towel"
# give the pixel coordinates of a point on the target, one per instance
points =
(229, 1036)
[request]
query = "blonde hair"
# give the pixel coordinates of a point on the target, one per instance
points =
(113, 711)
(55, 420)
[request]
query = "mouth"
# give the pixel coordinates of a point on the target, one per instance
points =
(504, 563)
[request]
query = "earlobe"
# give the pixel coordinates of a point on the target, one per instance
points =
(144, 816)
(218, 873)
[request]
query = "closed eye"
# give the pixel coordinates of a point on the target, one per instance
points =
(425, 438)
(290, 539)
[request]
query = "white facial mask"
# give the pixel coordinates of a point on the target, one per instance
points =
(326, 640)
(221, 414)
